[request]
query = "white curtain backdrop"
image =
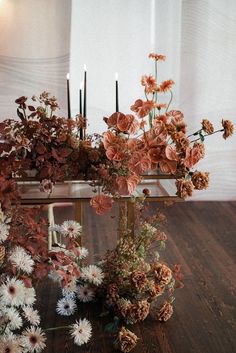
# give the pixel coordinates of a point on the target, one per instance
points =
(42, 40)
(34, 50)
(199, 40)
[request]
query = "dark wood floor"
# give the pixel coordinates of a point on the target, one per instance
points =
(202, 238)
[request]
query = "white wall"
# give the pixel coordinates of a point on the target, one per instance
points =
(34, 50)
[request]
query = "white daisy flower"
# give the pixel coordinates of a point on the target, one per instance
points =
(85, 293)
(66, 306)
(93, 274)
(11, 344)
(22, 260)
(81, 331)
(14, 319)
(31, 315)
(4, 232)
(30, 296)
(12, 292)
(71, 229)
(33, 339)
(82, 252)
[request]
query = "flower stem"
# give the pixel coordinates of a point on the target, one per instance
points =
(220, 130)
(171, 97)
(56, 328)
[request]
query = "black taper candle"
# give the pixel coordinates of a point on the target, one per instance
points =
(80, 112)
(117, 93)
(68, 95)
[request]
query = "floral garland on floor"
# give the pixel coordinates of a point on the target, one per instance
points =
(131, 279)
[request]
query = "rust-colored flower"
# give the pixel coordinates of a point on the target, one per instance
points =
(139, 280)
(194, 154)
(142, 108)
(123, 122)
(165, 312)
(157, 57)
(101, 203)
(200, 180)
(109, 139)
(21, 100)
(184, 188)
(155, 290)
(228, 128)
(115, 153)
(176, 116)
(126, 340)
(127, 185)
(112, 120)
(166, 86)
(155, 154)
(137, 312)
(182, 143)
(149, 82)
(162, 273)
(139, 163)
(207, 126)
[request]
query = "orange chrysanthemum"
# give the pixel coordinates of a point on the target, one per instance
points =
(166, 86)
(149, 82)
(228, 128)
(157, 57)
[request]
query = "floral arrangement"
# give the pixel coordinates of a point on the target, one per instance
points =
(131, 281)
(154, 139)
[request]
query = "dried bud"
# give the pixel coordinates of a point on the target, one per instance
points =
(200, 180)
(207, 126)
(162, 273)
(228, 128)
(165, 312)
(126, 340)
(184, 188)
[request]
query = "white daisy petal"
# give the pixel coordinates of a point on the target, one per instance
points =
(21, 259)
(71, 229)
(31, 315)
(33, 339)
(82, 252)
(12, 292)
(66, 306)
(93, 274)
(30, 296)
(81, 331)
(14, 319)
(85, 293)
(10, 343)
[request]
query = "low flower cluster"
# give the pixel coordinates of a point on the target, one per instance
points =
(136, 280)
(25, 259)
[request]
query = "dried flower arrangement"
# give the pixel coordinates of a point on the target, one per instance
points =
(131, 279)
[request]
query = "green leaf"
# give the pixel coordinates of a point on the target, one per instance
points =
(113, 326)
